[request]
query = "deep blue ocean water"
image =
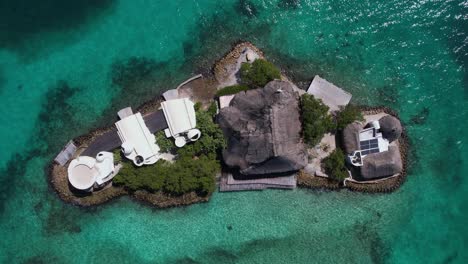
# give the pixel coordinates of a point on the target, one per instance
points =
(67, 68)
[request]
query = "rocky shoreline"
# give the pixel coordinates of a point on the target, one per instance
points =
(388, 185)
(204, 90)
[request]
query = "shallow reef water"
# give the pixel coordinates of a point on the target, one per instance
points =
(67, 68)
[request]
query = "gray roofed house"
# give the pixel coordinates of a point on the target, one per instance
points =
(382, 164)
(351, 137)
(263, 130)
(370, 149)
(390, 127)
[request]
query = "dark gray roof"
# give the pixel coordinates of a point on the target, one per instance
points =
(261, 126)
(390, 127)
(382, 164)
(351, 137)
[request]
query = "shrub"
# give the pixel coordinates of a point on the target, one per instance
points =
(213, 109)
(165, 144)
(211, 139)
(348, 115)
(315, 119)
(197, 106)
(231, 90)
(117, 155)
(184, 175)
(334, 165)
(259, 73)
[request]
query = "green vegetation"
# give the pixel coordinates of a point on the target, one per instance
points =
(258, 73)
(117, 156)
(184, 175)
(194, 169)
(213, 109)
(211, 140)
(231, 90)
(347, 116)
(165, 144)
(334, 165)
(315, 119)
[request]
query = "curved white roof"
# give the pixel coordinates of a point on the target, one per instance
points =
(180, 115)
(82, 173)
(133, 131)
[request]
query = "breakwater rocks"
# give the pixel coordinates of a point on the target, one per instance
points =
(226, 66)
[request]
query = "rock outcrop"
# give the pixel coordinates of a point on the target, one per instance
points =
(263, 130)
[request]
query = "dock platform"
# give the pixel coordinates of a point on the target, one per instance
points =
(229, 184)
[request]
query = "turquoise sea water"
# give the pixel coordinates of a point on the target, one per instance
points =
(67, 68)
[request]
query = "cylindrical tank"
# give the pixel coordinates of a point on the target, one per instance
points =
(180, 142)
(127, 148)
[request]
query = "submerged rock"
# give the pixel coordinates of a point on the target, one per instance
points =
(263, 129)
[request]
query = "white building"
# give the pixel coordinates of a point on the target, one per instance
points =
(138, 144)
(181, 121)
(371, 141)
(86, 173)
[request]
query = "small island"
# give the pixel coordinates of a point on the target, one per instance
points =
(246, 126)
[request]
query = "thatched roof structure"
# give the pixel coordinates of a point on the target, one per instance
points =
(382, 164)
(263, 127)
(351, 137)
(390, 127)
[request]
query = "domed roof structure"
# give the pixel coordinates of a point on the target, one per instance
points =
(390, 127)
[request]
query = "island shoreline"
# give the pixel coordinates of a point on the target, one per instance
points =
(57, 177)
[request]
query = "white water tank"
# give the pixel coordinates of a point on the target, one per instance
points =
(180, 142)
(127, 148)
(376, 124)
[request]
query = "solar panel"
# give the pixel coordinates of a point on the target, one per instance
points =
(369, 146)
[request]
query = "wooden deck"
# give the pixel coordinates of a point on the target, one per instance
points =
(229, 184)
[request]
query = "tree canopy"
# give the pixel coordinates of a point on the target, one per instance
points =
(315, 119)
(258, 73)
(334, 165)
(348, 115)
